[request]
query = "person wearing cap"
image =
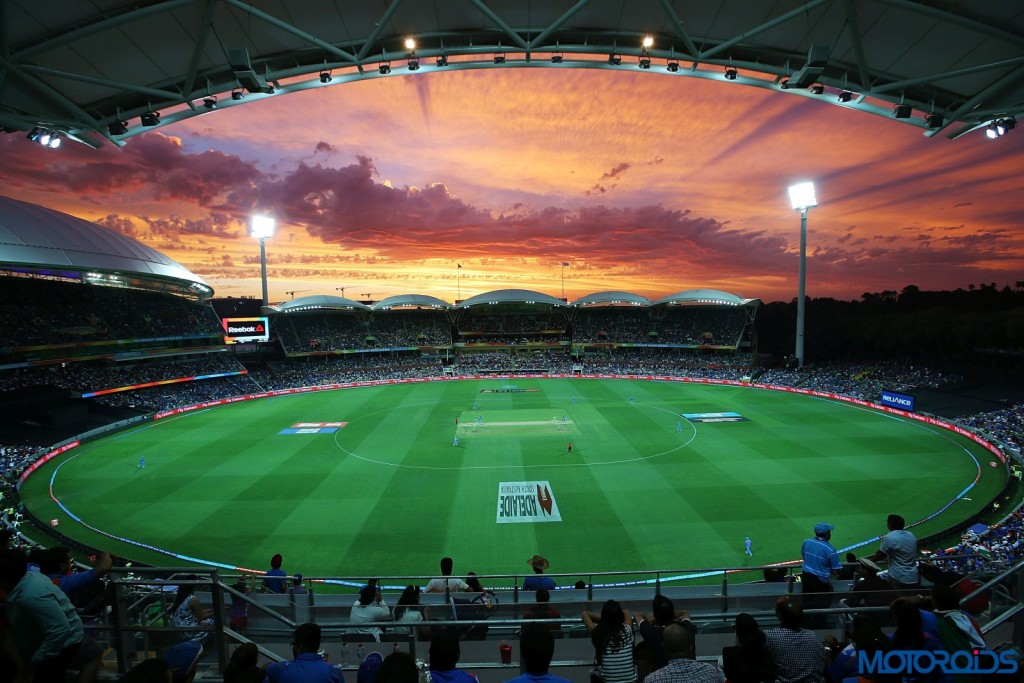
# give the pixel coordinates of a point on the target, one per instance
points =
(899, 547)
(538, 580)
(369, 609)
(307, 666)
(820, 561)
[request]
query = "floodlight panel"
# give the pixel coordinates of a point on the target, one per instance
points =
(262, 226)
(801, 196)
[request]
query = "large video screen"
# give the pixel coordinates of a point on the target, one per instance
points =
(244, 330)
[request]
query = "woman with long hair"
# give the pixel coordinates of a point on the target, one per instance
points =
(613, 643)
(187, 612)
(408, 611)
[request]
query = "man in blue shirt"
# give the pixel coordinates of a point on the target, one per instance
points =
(538, 580)
(272, 581)
(308, 666)
(820, 561)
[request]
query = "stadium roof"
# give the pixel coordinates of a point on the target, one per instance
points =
(317, 302)
(82, 68)
(712, 297)
(410, 300)
(510, 296)
(598, 298)
(43, 241)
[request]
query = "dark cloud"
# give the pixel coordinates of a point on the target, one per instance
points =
(324, 147)
(618, 170)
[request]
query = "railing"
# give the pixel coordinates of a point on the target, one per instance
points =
(140, 601)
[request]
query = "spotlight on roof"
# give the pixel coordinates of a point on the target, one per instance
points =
(410, 44)
(150, 118)
(845, 96)
(818, 89)
(237, 94)
(784, 84)
(414, 64)
(614, 60)
(556, 59)
(499, 58)
(645, 62)
(441, 61)
(673, 67)
(648, 42)
(45, 137)
(1000, 127)
(384, 68)
(934, 120)
(325, 77)
(902, 111)
(730, 73)
(118, 128)
(210, 101)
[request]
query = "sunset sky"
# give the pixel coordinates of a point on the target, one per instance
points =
(642, 182)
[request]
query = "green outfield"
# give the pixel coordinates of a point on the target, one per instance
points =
(386, 490)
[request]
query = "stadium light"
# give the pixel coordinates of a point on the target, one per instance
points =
(262, 228)
(801, 196)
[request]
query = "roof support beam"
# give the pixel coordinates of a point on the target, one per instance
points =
(377, 29)
(853, 25)
(197, 49)
(49, 93)
(500, 23)
(294, 30)
(942, 75)
(746, 35)
(556, 24)
(677, 24)
(953, 18)
(116, 85)
(102, 25)
(970, 104)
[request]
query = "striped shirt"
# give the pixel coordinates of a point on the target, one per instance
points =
(617, 659)
(820, 558)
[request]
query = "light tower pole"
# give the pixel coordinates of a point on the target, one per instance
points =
(262, 228)
(801, 196)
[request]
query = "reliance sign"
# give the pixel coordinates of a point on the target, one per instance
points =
(894, 400)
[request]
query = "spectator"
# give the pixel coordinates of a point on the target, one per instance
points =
(537, 647)
(182, 660)
(820, 561)
(368, 609)
(543, 610)
(297, 587)
(798, 654)
(650, 655)
(871, 590)
(865, 636)
(446, 583)
(444, 656)
(408, 611)
(271, 582)
(963, 585)
(398, 667)
(244, 663)
(80, 587)
(957, 629)
(613, 643)
(538, 580)
(154, 670)
(47, 633)
(307, 666)
(748, 661)
(910, 635)
(899, 547)
(681, 666)
(188, 613)
(239, 617)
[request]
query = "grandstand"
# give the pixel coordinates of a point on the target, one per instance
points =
(106, 343)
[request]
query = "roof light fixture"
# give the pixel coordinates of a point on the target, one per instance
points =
(818, 89)
(934, 120)
(499, 58)
(672, 67)
(730, 73)
(614, 59)
(118, 128)
(384, 68)
(845, 96)
(414, 64)
(645, 62)
(1000, 127)
(648, 42)
(902, 111)
(45, 137)
(326, 77)
(442, 60)
(410, 44)
(150, 118)
(210, 101)
(237, 94)
(556, 59)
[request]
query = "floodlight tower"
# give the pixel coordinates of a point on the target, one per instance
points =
(801, 196)
(262, 228)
